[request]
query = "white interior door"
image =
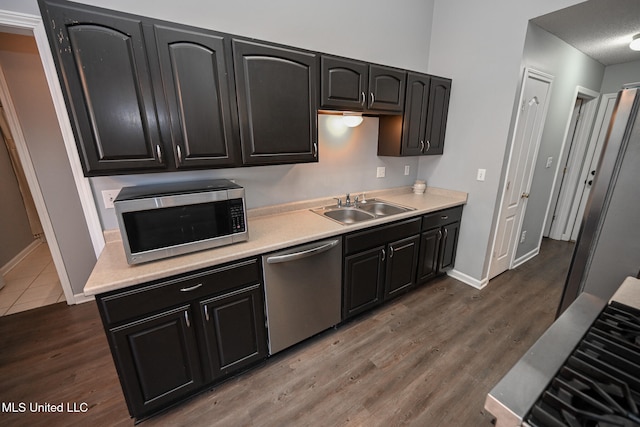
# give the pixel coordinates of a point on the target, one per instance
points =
(530, 118)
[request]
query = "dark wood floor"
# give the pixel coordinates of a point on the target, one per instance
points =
(427, 359)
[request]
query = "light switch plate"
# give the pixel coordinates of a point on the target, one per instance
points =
(380, 172)
(481, 174)
(549, 162)
(407, 168)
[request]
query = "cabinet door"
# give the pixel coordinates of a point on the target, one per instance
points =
(276, 89)
(104, 72)
(429, 254)
(343, 83)
(195, 74)
(415, 114)
(363, 281)
(449, 246)
(386, 89)
(234, 330)
(157, 359)
(401, 265)
(439, 93)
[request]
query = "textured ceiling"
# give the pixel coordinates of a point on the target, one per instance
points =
(601, 29)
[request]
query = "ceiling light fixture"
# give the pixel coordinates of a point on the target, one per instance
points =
(352, 119)
(635, 43)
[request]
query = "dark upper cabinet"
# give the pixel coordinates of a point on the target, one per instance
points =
(439, 93)
(421, 129)
(104, 72)
(386, 89)
(276, 89)
(195, 76)
(352, 85)
(344, 83)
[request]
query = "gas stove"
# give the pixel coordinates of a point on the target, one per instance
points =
(584, 371)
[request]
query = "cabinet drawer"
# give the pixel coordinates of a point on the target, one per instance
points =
(440, 218)
(371, 238)
(119, 306)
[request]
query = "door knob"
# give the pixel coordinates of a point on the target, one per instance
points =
(525, 196)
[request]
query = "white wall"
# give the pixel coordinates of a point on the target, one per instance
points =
(347, 164)
(615, 76)
(570, 68)
(479, 45)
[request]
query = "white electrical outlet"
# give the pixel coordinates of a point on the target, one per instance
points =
(481, 174)
(108, 196)
(549, 161)
(380, 172)
(407, 168)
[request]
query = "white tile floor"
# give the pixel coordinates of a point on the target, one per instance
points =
(31, 283)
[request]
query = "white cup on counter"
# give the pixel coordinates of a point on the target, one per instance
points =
(419, 186)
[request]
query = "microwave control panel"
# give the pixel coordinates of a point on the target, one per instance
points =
(236, 207)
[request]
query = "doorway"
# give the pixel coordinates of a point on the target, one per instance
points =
(584, 149)
(30, 276)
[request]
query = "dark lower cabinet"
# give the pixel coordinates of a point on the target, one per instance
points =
(438, 243)
(380, 263)
(234, 330)
(363, 281)
(401, 265)
(158, 358)
(175, 337)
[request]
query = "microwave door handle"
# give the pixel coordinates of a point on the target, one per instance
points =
(275, 259)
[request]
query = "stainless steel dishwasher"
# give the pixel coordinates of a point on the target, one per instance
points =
(303, 289)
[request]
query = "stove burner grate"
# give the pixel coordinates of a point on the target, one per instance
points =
(599, 384)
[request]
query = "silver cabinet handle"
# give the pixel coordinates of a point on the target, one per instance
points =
(390, 252)
(373, 99)
(364, 98)
(446, 233)
(422, 146)
(428, 145)
(179, 150)
(159, 153)
(191, 288)
(444, 217)
(315, 150)
(384, 255)
(206, 312)
(439, 234)
(186, 318)
(303, 253)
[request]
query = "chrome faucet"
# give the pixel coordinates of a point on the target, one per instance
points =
(347, 201)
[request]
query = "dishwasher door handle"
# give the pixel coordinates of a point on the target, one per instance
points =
(325, 246)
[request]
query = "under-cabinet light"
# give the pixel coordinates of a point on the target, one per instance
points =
(352, 119)
(635, 43)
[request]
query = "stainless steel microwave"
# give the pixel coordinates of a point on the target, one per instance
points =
(162, 220)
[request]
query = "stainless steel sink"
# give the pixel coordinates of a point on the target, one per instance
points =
(361, 211)
(348, 215)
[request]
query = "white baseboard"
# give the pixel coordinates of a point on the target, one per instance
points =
(468, 280)
(524, 258)
(22, 255)
(82, 298)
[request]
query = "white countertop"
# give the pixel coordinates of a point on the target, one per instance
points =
(271, 228)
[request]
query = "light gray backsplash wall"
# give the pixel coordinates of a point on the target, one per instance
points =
(478, 45)
(570, 68)
(347, 164)
(615, 76)
(14, 224)
(30, 94)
